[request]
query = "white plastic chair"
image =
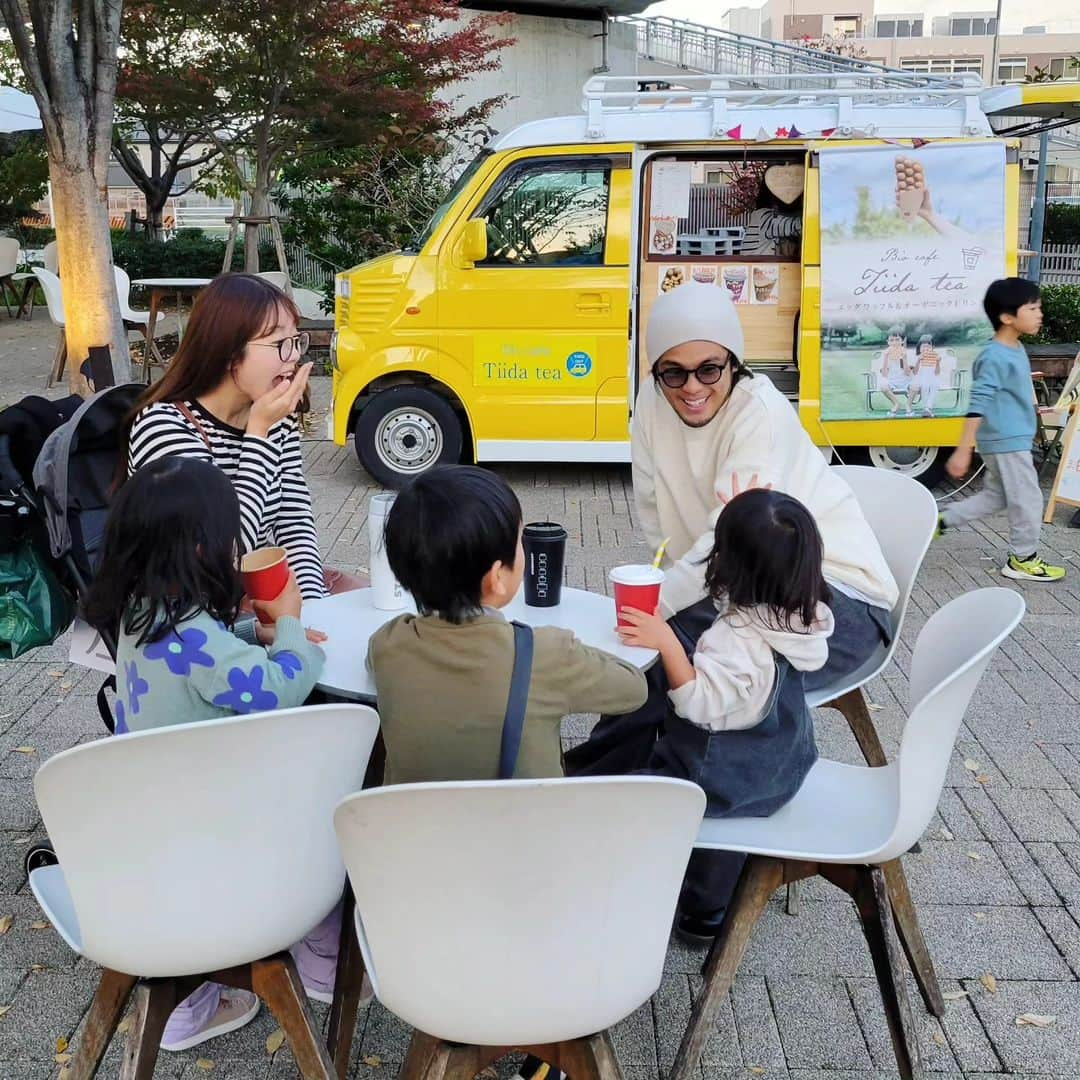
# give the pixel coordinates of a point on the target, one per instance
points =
(310, 304)
(136, 320)
(851, 823)
(192, 849)
(569, 940)
(9, 264)
(50, 255)
(903, 515)
(54, 298)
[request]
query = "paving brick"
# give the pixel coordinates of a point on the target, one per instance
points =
(1032, 814)
(1025, 872)
(945, 873)
(1054, 1050)
(818, 1025)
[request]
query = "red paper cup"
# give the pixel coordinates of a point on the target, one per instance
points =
(265, 572)
(636, 587)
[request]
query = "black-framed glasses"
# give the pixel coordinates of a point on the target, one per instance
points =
(676, 377)
(288, 347)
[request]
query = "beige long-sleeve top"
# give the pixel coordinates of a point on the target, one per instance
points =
(443, 689)
(680, 474)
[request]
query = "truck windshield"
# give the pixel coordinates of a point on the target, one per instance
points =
(417, 243)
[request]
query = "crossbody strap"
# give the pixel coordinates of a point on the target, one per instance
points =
(514, 721)
(195, 422)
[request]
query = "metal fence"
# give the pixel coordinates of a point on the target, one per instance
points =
(708, 49)
(1060, 264)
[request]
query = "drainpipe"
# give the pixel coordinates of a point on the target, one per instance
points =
(605, 21)
(1038, 212)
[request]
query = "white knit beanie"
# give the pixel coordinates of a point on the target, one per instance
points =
(693, 312)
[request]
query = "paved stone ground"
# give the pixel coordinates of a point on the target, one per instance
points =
(997, 883)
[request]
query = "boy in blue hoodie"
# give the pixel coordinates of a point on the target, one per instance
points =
(1001, 424)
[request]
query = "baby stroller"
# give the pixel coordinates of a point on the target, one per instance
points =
(58, 464)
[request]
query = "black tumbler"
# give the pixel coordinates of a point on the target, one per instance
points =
(545, 554)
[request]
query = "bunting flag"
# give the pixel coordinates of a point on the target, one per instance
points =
(735, 132)
(828, 132)
(794, 132)
(763, 135)
(916, 143)
(781, 133)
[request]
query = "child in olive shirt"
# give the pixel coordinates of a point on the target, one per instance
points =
(1001, 423)
(453, 540)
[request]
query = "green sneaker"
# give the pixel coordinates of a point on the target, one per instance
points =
(1033, 569)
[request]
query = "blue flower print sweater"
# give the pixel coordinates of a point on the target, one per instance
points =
(201, 671)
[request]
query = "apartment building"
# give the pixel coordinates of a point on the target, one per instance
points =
(934, 40)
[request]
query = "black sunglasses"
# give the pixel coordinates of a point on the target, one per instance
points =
(675, 377)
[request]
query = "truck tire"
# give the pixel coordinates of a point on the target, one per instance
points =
(404, 431)
(923, 463)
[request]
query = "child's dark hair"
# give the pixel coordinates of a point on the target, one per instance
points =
(767, 551)
(1007, 296)
(172, 545)
(445, 531)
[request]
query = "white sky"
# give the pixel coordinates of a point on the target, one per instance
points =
(1061, 16)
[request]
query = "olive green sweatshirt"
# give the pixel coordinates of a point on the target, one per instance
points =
(443, 689)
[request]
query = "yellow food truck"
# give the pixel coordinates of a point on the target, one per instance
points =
(854, 220)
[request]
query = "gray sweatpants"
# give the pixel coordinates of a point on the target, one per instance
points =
(1011, 484)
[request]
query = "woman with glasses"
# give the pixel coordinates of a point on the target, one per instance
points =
(231, 396)
(705, 428)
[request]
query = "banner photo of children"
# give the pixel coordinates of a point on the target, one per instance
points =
(910, 240)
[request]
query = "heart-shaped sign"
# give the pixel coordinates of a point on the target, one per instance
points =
(785, 182)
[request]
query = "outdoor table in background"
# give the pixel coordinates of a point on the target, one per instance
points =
(179, 287)
(349, 620)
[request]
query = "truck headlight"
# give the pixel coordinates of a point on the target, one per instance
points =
(333, 351)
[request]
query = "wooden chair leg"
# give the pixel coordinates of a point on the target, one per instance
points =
(276, 981)
(866, 886)
(348, 984)
(853, 706)
(155, 999)
(111, 996)
(59, 358)
(792, 903)
(590, 1058)
(761, 877)
(426, 1059)
(911, 937)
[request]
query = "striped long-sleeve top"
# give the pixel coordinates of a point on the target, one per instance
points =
(267, 474)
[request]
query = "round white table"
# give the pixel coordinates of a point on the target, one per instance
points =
(160, 287)
(349, 620)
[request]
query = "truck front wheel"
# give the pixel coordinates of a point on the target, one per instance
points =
(923, 463)
(404, 431)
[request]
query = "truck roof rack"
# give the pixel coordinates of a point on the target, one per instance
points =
(867, 102)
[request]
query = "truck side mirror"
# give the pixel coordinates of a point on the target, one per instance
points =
(473, 244)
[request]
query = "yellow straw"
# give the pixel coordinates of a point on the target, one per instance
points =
(660, 552)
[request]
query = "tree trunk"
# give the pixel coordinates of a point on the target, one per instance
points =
(260, 207)
(91, 309)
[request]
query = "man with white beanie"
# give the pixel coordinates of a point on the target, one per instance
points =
(704, 429)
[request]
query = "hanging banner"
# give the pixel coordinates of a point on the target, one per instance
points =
(910, 240)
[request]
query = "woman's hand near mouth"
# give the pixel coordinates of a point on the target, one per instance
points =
(278, 402)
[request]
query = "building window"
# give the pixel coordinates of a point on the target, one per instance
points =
(846, 25)
(972, 26)
(1062, 67)
(1012, 69)
(898, 26)
(937, 65)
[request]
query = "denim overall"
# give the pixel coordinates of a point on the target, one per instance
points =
(747, 772)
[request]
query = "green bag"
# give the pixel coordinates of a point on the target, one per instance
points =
(35, 608)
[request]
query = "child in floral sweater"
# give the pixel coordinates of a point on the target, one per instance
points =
(169, 588)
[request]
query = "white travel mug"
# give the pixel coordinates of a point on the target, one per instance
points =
(387, 593)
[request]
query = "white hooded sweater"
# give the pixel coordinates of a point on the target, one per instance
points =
(681, 472)
(735, 669)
